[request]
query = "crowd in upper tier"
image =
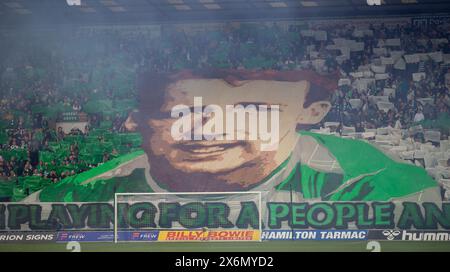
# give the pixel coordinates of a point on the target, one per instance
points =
(391, 76)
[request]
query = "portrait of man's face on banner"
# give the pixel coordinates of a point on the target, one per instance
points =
(248, 131)
(226, 165)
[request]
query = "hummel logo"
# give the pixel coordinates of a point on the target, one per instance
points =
(391, 234)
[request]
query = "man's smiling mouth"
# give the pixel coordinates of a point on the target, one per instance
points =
(207, 148)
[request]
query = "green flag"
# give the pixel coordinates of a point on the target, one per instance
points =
(369, 174)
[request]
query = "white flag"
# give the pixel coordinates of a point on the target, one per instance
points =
(400, 64)
(381, 76)
(378, 69)
(388, 92)
(413, 58)
(387, 61)
(418, 76)
(393, 42)
(436, 56)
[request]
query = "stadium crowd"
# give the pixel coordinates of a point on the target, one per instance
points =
(93, 72)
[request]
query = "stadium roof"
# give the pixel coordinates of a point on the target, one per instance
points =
(17, 12)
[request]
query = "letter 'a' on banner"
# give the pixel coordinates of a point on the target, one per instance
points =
(192, 216)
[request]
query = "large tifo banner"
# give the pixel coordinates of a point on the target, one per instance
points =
(240, 131)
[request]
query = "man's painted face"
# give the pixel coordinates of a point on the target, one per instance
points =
(234, 162)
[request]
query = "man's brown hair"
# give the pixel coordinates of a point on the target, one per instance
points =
(151, 87)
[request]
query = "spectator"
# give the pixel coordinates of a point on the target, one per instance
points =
(76, 106)
(60, 134)
(105, 157)
(419, 116)
(28, 169)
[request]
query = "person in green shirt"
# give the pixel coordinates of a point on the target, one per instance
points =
(312, 166)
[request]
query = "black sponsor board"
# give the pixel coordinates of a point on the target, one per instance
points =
(27, 237)
(409, 235)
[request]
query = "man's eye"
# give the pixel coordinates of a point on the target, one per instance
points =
(192, 109)
(266, 107)
(259, 106)
(269, 108)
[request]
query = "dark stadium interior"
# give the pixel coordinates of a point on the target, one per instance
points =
(145, 11)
